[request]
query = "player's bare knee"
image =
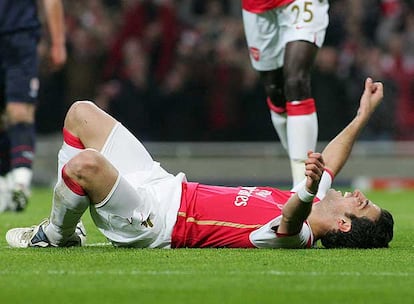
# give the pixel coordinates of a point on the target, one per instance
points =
(84, 166)
(18, 112)
(297, 87)
(77, 111)
(275, 94)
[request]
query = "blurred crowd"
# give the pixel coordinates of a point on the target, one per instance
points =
(178, 70)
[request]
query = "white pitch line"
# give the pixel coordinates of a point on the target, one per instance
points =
(86, 245)
(97, 244)
(186, 273)
(341, 273)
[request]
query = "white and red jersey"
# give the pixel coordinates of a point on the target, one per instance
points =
(234, 217)
(260, 6)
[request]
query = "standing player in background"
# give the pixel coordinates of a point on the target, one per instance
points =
(283, 37)
(20, 31)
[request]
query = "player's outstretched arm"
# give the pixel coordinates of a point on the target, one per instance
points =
(337, 152)
(297, 209)
(334, 156)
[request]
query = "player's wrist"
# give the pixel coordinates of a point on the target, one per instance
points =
(305, 196)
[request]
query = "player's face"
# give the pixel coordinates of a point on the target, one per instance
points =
(353, 203)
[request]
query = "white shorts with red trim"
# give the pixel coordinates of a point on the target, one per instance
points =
(267, 33)
(141, 208)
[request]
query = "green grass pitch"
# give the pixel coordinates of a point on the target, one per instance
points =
(100, 273)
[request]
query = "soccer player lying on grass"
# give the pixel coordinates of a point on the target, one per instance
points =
(136, 203)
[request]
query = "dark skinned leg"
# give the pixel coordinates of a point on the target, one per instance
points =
(273, 83)
(302, 124)
(298, 61)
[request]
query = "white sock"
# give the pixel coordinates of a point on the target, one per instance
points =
(20, 178)
(302, 134)
(71, 147)
(297, 168)
(67, 209)
(279, 121)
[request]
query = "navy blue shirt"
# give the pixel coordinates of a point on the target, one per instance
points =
(18, 15)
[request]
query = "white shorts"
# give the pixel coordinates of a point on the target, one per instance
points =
(141, 209)
(267, 33)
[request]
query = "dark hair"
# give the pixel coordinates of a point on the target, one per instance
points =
(364, 233)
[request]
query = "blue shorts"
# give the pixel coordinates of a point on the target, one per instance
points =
(19, 67)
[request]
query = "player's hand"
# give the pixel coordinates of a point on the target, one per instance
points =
(370, 99)
(58, 56)
(314, 167)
